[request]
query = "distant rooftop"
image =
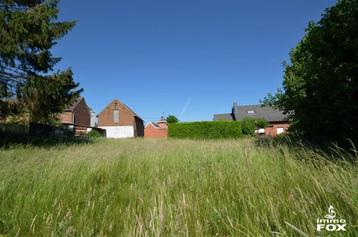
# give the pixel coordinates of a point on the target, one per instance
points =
(257, 111)
(240, 112)
(223, 117)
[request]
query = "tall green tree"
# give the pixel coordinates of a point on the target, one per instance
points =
(172, 119)
(271, 99)
(320, 87)
(28, 31)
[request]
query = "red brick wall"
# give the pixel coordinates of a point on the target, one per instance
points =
(126, 117)
(151, 132)
(82, 114)
(66, 117)
(80, 131)
(79, 116)
(272, 130)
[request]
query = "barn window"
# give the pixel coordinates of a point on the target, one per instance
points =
(116, 116)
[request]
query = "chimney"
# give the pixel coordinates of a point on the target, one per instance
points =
(233, 111)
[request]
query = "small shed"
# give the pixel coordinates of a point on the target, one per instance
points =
(156, 129)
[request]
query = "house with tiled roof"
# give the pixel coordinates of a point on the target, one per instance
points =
(278, 121)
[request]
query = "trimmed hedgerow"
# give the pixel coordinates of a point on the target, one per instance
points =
(206, 130)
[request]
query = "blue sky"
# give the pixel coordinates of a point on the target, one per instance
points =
(189, 57)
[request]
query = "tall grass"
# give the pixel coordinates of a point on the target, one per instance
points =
(172, 188)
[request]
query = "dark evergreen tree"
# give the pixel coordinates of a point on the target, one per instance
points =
(28, 31)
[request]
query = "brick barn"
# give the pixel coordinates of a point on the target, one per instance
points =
(278, 122)
(120, 121)
(156, 129)
(77, 116)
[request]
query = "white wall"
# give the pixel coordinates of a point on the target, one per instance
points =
(94, 119)
(119, 131)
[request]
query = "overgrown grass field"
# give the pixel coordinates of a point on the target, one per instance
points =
(169, 187)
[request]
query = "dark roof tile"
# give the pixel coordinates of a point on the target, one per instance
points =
(223, 117)
(257, 111)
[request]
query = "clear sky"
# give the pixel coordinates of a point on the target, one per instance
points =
(184, 57)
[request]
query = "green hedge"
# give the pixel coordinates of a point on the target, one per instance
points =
(206, 130)
(249, 125)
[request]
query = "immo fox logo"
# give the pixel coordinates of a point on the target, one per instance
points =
(330, 222)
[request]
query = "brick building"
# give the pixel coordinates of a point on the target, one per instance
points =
(278, 122)
(120, 121)
(156, 129)
(77, 116)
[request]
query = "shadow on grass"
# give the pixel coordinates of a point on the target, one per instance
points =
(8, 141)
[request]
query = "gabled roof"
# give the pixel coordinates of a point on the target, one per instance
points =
(151, 124)
(257, 111)
(116, 100)
(74, 104)
(162, 124)
(158, 124)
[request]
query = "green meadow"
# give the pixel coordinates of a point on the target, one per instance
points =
(171, 187)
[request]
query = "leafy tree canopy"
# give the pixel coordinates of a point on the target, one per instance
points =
(28, 31)
(172, 119)
(271, 99)
(320, 84)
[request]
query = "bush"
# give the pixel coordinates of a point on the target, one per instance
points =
(206, 130)
(261, 123)
(94, 134)
(249, 125)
